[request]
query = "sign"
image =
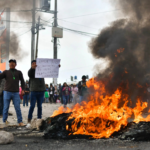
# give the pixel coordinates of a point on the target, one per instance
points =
(47, 68)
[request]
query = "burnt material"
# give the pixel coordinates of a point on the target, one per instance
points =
(136, 132)
(55, 128)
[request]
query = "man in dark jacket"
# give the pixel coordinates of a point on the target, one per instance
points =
(11, 90)
(82, 88)
(37, 89)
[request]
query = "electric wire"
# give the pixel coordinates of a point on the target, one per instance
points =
(90, 14)
(78, 24)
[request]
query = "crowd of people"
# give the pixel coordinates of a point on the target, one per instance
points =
(61, 93)
(34, 90)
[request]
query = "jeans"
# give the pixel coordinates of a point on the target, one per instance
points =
(25, 99)
(39, 97)
(1, 104)
(8, 96)
(65, 99)
(46, 100)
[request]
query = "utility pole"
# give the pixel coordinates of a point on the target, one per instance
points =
(33, 32)
(55, 39)
(37, 41)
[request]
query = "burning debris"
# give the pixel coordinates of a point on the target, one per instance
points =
(102, 116)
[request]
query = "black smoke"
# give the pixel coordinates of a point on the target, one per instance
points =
(129, 69)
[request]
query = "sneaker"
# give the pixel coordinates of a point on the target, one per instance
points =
(28, 126)
(1, 116)
(21, 124)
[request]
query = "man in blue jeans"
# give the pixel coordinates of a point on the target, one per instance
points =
(11, 90)
(37, 89)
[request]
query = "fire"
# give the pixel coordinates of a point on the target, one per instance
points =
(101, 115)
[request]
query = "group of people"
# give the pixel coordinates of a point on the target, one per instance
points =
(66, 93)
(54, 94)
(9, 90)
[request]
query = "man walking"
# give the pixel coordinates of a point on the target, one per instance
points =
(11, 90)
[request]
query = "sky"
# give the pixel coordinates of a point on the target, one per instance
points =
(73, 49)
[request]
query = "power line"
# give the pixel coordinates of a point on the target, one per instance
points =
(77, 24)
(91, 14)
(48, 21)
(81, 32)
(24, 33)
(70, 22)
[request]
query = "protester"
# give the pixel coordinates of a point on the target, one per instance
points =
(47, 94)
(82, 88)
(26, 96)
(11, 90)
(37, 88)
(2, 82)
(51, 93)
(74, 90)
(65, 93)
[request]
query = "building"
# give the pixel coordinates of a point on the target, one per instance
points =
(4, 38)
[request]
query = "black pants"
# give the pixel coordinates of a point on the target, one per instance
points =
(51, 99)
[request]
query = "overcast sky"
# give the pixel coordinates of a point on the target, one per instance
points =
(73, 51)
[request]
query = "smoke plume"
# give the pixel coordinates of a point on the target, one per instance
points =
(126, 44)
(15, 48)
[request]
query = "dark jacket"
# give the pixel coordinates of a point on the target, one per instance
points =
(82, 89)
(53, 89)
(12, 78)
(36, 84)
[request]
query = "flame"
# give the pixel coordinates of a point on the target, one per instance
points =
(102, 115)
